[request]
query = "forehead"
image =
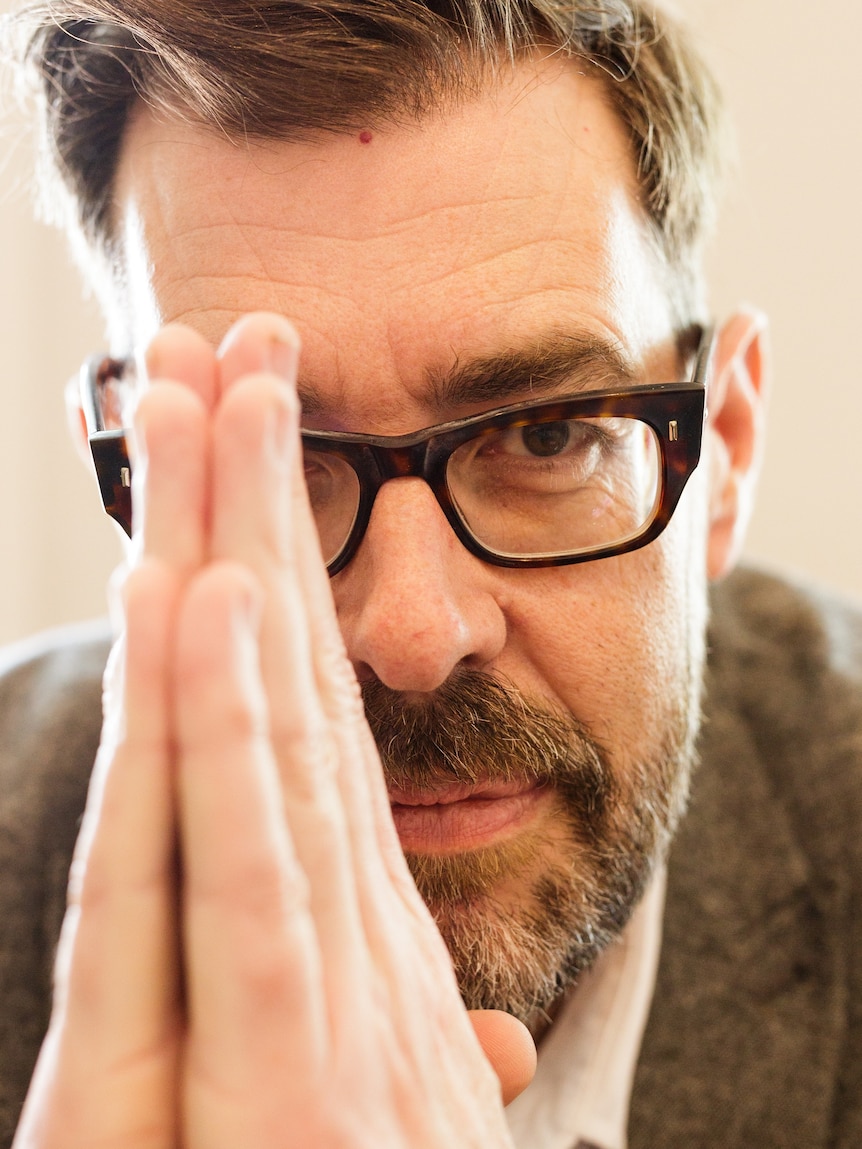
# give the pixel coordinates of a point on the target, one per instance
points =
(401, 250)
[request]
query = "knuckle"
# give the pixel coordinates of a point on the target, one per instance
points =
(308, 758)
(258, 887)
(234, 723)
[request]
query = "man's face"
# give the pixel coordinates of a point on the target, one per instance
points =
(504, 225)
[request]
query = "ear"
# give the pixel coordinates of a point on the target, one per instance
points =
(736, 403)
(77, 422)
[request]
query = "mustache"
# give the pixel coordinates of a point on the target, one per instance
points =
(478, 728)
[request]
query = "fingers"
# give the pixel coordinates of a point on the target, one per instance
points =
(260, 343)
(301, 964)
(105, 1075)
(261, 517)
(180, 354)
(255, 445)
(123, 873)
(334, 798)
(258, 1022)
(508, 1046)
(280, 534)
(171, 483)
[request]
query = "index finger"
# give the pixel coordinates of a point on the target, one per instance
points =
(170, 485)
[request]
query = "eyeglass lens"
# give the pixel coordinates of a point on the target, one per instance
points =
(528, 490)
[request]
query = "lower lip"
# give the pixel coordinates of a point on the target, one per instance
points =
(451, 827)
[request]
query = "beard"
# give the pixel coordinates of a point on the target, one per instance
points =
(523, 918)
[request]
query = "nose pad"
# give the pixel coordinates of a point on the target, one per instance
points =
(414, 604)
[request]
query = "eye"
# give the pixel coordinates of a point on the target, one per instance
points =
(546, 439)
(566, 439)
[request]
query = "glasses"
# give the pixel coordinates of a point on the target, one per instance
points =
(563, 481)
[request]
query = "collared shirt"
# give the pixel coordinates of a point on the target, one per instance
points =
(582, 1088)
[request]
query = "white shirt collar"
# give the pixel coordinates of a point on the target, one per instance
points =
(587, 1060)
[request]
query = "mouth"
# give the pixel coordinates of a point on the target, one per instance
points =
(456, 817)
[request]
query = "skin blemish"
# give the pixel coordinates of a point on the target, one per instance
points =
(365, 137)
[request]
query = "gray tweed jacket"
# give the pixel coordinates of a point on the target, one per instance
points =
(755, 1036)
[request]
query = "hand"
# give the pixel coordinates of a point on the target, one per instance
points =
(318, 1003)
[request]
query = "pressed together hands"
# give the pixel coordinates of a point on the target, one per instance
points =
(245, 960)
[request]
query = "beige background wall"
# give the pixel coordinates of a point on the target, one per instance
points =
(791, 241)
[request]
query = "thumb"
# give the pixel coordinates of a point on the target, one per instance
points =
(507, 1044)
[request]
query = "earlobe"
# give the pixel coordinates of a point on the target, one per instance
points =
(736, 401)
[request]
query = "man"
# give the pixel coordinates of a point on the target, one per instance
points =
(483, 222)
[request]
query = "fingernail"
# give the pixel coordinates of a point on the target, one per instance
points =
(262, 341)
(283, 356)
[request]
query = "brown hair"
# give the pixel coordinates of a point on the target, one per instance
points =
(294, 68)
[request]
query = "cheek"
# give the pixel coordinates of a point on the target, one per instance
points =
(619, 642)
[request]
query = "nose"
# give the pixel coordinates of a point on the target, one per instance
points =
(414, 604)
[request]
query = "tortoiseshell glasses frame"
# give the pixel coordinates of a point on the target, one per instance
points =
(675, 412)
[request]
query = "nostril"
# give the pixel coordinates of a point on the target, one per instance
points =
(409, 637)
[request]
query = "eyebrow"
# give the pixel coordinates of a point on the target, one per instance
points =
(554, 362)
(574, 362)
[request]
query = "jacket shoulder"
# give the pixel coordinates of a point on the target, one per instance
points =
(50, 701)
(50, 718)
(765, 623)
(755, 1036)
(785, 662)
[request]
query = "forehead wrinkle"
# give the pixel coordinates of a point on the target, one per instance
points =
(206, 301)
(384, 257)
(355, 228)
